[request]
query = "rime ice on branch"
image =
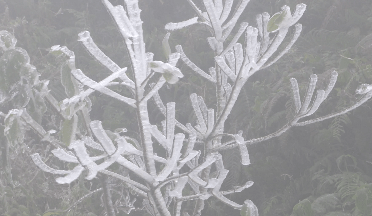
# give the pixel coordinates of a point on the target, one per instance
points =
(159, 177)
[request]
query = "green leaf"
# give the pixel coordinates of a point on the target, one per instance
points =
(37, 107)
(49, 213)
(166, 48)
(69, 129)
(68, 81)
(303, 208)
(363, 200)
(14, 127)
(275, 21)
(325, 203)
(345, 161)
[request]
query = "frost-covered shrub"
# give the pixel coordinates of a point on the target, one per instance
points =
(164, 180)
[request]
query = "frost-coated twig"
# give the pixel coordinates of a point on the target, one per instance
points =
(262, 21)
(191, 65)
(79, 75)
(225, 68)
(155, 89)
(107, 198)
(361, 101)
(294, 122)
(226, 10)
(213, 18)
(235, 39)
(196, 9)
(159, 103)
(127, 180)
(87, 40)
(298, 29)
(235, 17)
(40, 130)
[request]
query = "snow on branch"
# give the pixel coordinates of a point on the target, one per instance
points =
(80, 76)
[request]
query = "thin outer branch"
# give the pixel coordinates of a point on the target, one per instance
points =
(348, 109)
(196, 9)
(191, 65)
(40, 130)
(126, 180)
(232, 43)
(294, 123)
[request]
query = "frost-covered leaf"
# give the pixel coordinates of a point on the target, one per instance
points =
(173, 58)
(249, 209)
(172, 161)
(101, 86)
(213, 17)
(180, 25)
(39, 162)
(120, 16)
(226, 10)
(195, 68)
(15, 79)
(201, 120)
(64, 156)
(15, 127)
(170, 120)
(210, 159)
(159, 136)
(57, 50)
(72, 176)
(363, 89)
(101, 57)
(309, 93)
(225, 68)
(242, 148)
(7, 40)
(296, 94)
(212, 43)
(102, 137)
(91, 143)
